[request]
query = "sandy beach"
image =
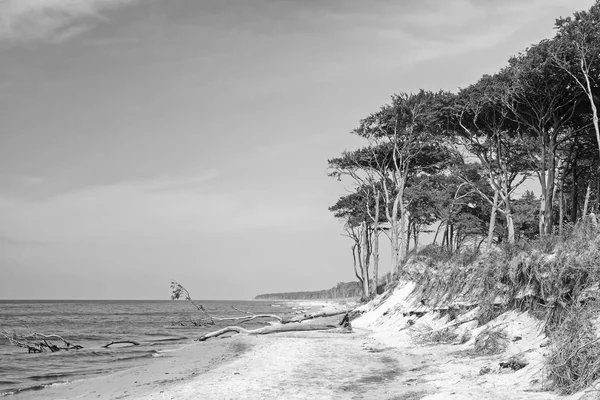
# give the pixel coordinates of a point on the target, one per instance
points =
(379, 359)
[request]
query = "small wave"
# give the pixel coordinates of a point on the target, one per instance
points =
(11, 392)
(145, 354)
(50, 375)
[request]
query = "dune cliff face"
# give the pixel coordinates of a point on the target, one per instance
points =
(340, 291)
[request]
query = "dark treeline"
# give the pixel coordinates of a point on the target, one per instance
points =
(455, 161)
(342, 290)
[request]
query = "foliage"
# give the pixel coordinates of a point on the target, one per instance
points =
(574, 360)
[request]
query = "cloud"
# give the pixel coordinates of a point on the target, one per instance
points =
(51, 20)
(436, 29)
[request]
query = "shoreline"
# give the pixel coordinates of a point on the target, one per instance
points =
(168, 367)
(378, 359)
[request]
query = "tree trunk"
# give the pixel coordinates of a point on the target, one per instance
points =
(490, 237)
(560, 208)
(590, 95)
(510, 225)
(395, 243)
(403, 233)
(544, 195)
(375, 248)
(416, 237)
(587, 200)
(395, 236)
(408, 236)
(445, 236)
(542, 216)
(574, 193)
(354, 258)
(451, 239)
(437, 231)
(549, 216)
(365, 260)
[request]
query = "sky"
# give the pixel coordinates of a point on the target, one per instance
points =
(151, 140)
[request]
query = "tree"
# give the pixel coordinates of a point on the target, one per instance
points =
(577, 52)
(488, 133)
(405, 141)
(544, 104)
(355, 210)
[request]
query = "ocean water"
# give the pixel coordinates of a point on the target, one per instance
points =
(93, 324)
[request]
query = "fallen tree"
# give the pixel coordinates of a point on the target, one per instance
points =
(321, 314)
(180, 292)
(343, 326)
(290, 324)
(36, 342)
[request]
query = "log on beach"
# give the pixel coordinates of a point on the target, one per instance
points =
(271, 329)
(344, 326)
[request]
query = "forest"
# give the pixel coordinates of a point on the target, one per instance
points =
(342, 290)
(456, 165)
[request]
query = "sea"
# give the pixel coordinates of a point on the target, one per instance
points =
(93, 324)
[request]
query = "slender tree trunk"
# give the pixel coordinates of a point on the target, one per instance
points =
(490, 237)
(574, 193)
(445, 237)
(437, 231)
(375, 247)
(544, 194)
(403, 233)
(365, 261)
(451, 239)
(396, 227)
(395, 245)
(408, 236)
(549, 216)
(416, 236)
(510, 225)
(590, 95)
(542, 221)
(587, 201)
(560, 208)
(357, 261)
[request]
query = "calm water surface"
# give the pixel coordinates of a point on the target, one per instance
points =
(93, 324)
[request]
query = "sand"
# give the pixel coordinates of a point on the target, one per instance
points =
(378, 360)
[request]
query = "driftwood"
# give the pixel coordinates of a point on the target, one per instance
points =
(36, 342)
(322, 314)
(106, 346)
(344, 325)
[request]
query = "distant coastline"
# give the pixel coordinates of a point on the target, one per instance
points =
(342, 290)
